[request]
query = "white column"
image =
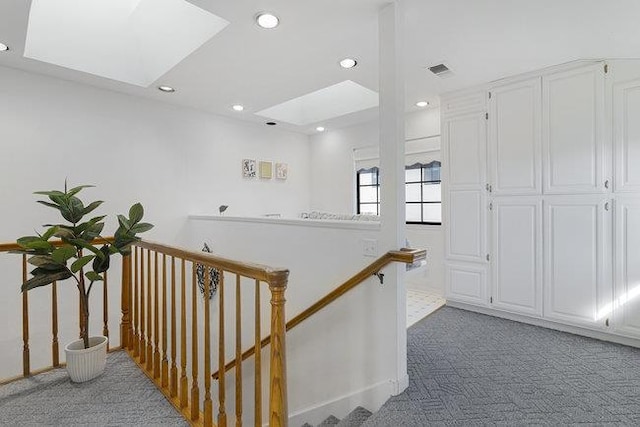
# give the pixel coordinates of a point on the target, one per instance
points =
(392, 209)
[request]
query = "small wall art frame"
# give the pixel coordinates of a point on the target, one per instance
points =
(282, 170)
(266, 170)
(248, 168)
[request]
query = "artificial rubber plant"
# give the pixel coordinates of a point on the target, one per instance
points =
(82, 254)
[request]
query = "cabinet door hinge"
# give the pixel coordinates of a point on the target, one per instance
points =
(606, 322)
(486, 116)
(488, 257)
(606, 68)
(490, 206)
(489, 95)
(491, 300)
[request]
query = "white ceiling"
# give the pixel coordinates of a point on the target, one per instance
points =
(480, 40)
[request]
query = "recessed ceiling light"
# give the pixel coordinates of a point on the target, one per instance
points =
(3, 47)
(271, 123)
(320, 128)
(422, 104)
(267, 20)
(167, 89)
(238, 107)
(348, 63)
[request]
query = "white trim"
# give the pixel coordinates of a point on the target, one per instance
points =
(328, 223)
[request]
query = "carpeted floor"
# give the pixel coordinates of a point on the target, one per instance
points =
(470, 369)
(122, 396)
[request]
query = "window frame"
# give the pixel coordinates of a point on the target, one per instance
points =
(376, 186)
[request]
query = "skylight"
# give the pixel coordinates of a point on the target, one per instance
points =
(133, 41)
(324, 104)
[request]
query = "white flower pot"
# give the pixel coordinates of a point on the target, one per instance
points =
(84, 364)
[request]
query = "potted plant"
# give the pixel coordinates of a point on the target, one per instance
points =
(84, 257)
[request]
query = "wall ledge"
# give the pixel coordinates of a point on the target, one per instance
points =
(299, 222)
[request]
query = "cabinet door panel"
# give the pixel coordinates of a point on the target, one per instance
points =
(466, 225)
(627, 291)
(466, 283)
(465, 140)
(517, 254)
(577, 271)
(573, 128)
(515, 138)
(626, 101)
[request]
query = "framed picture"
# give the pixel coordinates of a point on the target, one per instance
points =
(266, 171)
(248, 168)
(282, 170)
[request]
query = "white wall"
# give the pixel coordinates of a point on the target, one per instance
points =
(333, 184)
(175, 161)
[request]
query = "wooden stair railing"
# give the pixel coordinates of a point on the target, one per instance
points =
(160, 303)
(404, 255)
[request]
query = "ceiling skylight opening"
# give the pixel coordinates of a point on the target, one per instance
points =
(320, 129)
(422, 104)
(267, 20)
(166, 89)
(3, 47)
(238, 107)
(348, 63)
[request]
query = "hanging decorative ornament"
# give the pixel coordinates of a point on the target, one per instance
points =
(214, 276)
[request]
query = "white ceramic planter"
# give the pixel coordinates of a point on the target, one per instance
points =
(84, 364)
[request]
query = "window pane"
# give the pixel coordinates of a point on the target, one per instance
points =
(368, 194)
(369, 209)
(413, 212)
(432, 212)
(412, 175)
(431, 193)
(413, 192)
(367, 178)
(432, 173)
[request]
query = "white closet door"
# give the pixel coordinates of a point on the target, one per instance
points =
(573, 131)
(466, 229)
(465, 151)
(516, 262)
(578, 278)
(515, 147)
(627, 290)
(466, 283)
(626, 125)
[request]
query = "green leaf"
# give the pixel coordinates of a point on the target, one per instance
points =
(50, 232)
(44, 261)
(76, 208)
(92, 232)
(49, 193)
(65, 233)
(76, 190)
(45, 279)
(92, 206)
(124, 222)
(81, 262)
(51, 205)
(100, 265)
(94, 277)
(136, 212)
(142, 227)
(62, 254)
(87, 246)
(24, 241)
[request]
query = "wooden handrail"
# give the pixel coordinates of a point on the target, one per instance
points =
(6, 247)
(404, 255)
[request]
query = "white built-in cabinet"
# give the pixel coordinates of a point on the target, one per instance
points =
(541, 194)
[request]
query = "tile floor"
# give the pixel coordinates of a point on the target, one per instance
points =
(421, 303)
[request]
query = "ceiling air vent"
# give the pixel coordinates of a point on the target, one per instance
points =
(439, 69)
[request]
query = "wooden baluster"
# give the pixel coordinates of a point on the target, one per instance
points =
(136, 306)
(195, 390)
(165, 361)
(238, 354)
(26, 359)
(156, 319)
(105, 310)
(174, 368)
(278, 411)
(258, 361)
(208, 405)
(55, 352)
(149, 313)
(222, 414)
(143, 340)
(184, 382)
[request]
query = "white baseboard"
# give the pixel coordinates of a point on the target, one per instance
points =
(577, 330)
(371, 398)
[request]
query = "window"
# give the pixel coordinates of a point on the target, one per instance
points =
(368, 188)
(423, 193)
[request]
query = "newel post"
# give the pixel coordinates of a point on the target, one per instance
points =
(278, 411)
(125, 304)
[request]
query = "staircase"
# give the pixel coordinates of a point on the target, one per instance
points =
(355, 418)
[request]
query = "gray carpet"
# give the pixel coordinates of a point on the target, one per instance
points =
(122, 396)
(470, 369)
